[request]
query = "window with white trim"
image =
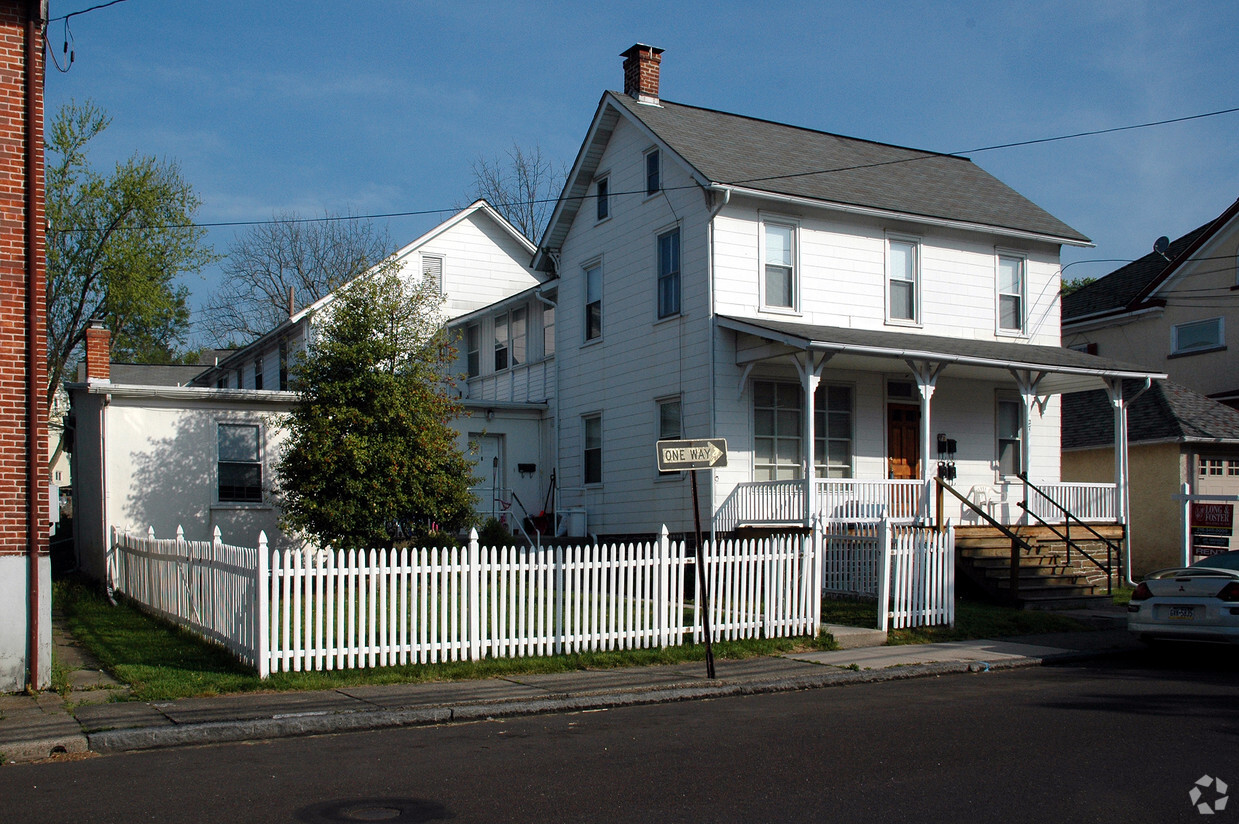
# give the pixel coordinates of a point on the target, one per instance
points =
(653, 172)
(602, 198)
(670, 422)
(903, 280)
(258, 373)
(511, 338)
(432, 272)
(779, 266)
(1010, 437)
(591, 454)
(1011, 290)
(777, 431)
(1197, 336)
(239, 463)
(593, 302)
(548, 331)
(473, 350)
(669, 273)
(832, 431)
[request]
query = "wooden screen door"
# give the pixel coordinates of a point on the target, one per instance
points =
(903, 441)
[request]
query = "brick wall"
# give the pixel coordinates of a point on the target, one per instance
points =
(14, 297)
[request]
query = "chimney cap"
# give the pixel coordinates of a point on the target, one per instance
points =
(637, 48)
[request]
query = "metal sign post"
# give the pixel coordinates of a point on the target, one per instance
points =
(691, 456)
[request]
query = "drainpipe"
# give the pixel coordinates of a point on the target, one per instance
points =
(555, 403)
(718, 207)
(34, 145)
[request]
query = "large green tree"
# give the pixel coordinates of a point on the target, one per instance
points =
(369, 446)
(116, 246)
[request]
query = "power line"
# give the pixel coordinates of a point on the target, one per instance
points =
(643, 192)
(84, 11)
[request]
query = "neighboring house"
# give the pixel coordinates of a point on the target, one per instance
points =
(195, 446)
(149, 451)
(715, 275)
(475, 258)
(1175, 437)
(25, 568)
(1174, 312)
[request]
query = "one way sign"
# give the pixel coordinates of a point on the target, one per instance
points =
(675, 456)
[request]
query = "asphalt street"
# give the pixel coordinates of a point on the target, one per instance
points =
(1122, 739)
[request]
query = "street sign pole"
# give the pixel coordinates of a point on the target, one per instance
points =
(702, 583)
(690, 456)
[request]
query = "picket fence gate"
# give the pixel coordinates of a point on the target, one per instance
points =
(322, 609)
(909, 570)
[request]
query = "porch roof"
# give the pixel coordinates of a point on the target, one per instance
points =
(1062, 370)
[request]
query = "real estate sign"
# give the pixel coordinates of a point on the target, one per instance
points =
(1212, 527)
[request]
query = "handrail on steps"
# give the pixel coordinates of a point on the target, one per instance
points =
(1112, 551)
(1016, 541)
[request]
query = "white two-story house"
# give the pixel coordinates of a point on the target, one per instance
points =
(851, 312)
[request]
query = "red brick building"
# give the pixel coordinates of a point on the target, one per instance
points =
(25, 589)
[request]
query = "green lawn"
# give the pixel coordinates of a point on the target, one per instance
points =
(973, 619)
(160, 661)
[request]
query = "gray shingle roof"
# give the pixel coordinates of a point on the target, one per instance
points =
(774, 157)
(150, 374)
(1167, 412)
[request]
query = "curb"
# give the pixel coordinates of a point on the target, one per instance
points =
(149, 738)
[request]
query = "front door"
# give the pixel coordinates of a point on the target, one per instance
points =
(903, 441)
(490, 491)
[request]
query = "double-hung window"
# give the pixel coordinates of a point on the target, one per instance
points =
(548, 331)
(653, 172)
(473, 347)
(1010, 420)
(602, 196)
(240, 463)
(1197, 336)
(669, 274)
(902, 281)
(779, 272)
(283, 364)
(591, 455)
(832, 431)
(258, 373)
(670, 423)
(511, 338)
(593, 302)
(1011, 290)
(777, 431)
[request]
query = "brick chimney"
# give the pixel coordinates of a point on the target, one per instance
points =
(98, 351)
(641, 72)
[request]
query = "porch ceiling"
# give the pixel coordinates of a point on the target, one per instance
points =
(1064, 370)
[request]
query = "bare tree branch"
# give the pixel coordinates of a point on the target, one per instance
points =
(523, 188)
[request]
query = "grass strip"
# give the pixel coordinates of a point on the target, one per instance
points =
(973, 619)
(160, 661)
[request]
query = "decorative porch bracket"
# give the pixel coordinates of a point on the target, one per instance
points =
(810, 366)
(1027, 382)
(926, 373)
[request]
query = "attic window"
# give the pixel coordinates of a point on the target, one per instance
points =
(1197, 336)
(652, 173)
(432, 272)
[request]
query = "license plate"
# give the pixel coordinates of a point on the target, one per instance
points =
(1182, 613)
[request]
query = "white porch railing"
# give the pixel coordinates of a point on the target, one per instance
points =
(778, 503)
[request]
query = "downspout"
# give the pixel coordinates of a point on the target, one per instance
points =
(1126, 490)
(34, 145)
(718, 207)
(554, 435)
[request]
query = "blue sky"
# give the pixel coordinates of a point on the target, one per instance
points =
(380, 106)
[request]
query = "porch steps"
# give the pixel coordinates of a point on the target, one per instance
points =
(854, 637)
(1046, 579)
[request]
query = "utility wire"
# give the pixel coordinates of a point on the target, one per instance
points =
(84, 11)
(642, 192)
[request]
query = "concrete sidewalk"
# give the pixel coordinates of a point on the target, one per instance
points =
(42, 726)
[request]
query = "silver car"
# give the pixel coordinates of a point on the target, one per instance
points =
(1195, 603)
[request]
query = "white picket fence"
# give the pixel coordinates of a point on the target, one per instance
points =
(909, 570)
(332, 609)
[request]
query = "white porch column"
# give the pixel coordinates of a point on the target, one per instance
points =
(810, 366)
(1027, 383)
(1114, 388)
(926, 383)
